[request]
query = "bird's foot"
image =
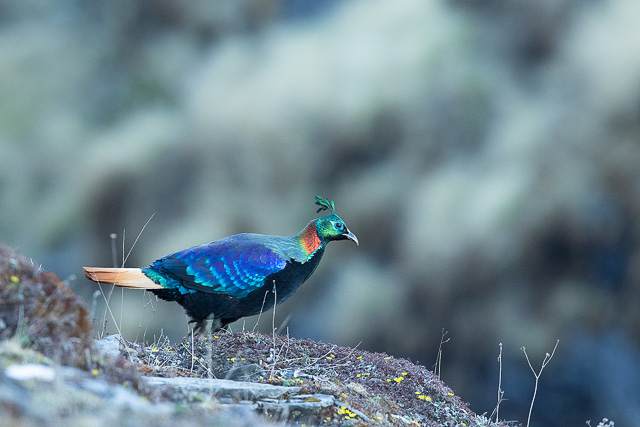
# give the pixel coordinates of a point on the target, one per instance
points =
(205, 327)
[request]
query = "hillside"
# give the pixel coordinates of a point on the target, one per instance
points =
(53, 372)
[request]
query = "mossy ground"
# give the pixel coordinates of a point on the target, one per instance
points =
(373, 386)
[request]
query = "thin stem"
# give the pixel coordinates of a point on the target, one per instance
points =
(547, 359)
(438, 363)
(273, 317)
(135, 241)
(500, 392)
(260, 314)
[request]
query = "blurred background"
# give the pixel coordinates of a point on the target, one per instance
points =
(485, 153)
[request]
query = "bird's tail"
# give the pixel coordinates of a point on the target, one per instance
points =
(132, 278)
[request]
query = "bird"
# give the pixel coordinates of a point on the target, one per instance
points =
(242, 275)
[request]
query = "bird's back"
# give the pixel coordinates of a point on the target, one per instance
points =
(235, 265)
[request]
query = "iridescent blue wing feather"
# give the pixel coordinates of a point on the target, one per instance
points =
(234, 266)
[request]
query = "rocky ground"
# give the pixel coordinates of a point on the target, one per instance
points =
(53, 372)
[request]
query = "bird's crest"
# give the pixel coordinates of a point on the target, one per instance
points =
(325, 204)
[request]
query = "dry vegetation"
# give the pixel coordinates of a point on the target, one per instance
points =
(41, 310)
(374, 387)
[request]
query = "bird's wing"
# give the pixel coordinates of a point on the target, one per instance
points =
(234, 266)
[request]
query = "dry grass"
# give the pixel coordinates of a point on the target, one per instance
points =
(40, 310)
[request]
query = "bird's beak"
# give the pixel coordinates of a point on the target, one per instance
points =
(349, 235)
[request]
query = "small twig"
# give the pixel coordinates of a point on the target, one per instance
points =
(273, 317)
(121, 305)
(284, 322)
(210, 356)
(500, 391)
(94, 303)
(124, 235)
(547, 359)
(260, 314)
(348, 356)
(286, 355)
(121, 289)
(438, 364)
(108, 309)
(107, 299)
(158, 343)
(324, 356)
(277, 356)
(114, 250)
(135, 241)
(153, 314)
(192, 356)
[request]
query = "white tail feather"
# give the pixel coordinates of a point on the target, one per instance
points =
(132, 278)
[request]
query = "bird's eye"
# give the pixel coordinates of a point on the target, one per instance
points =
(339, 226)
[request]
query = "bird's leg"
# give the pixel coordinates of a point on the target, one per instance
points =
(204, 327)
(199, 327)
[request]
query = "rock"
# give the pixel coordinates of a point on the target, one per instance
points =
(278, 402)
(15, 399)
(108, 346)
(298, 407)
(221, 389)
(114, 346)
(30, 371)
(41, 393)
(251, 372)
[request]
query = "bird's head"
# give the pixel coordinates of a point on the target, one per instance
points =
(332, 227)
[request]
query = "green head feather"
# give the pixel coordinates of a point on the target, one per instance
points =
(325, 204)
(327, 228)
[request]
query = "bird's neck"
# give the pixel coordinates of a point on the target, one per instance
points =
(310, 240)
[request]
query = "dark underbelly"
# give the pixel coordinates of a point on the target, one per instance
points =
(202, 305)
